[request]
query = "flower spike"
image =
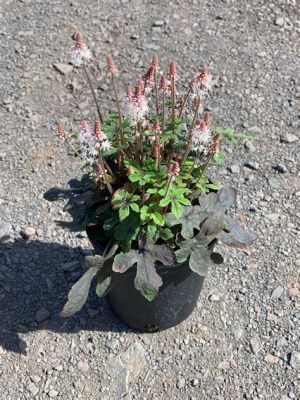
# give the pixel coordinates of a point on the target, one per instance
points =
(81, 52)
(111, 66)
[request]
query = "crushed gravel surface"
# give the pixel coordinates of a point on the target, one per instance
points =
(242, 341)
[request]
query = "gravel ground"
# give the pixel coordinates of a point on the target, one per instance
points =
(242, 341)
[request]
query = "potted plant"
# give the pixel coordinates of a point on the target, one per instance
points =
(146, 203)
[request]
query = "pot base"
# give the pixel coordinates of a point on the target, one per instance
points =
(175, 301)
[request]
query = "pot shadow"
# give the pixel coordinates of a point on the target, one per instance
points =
(31, 278)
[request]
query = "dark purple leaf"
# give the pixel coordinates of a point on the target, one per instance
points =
(237, 236)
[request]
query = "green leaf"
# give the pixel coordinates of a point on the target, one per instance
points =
(135, 177)
(124, 211)
(127, 230)
(144, 214)
(184, 201)
(166, 234)
(219, 158)
(158, 218)
(151, 231)
(102, 286)
(110, 222)
(176, 209)
(164, 202)
(135, 207)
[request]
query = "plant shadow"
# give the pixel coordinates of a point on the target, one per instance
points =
(31, 278)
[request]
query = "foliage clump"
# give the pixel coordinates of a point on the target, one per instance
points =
(146, 189)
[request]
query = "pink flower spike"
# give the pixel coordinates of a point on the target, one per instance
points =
(81, 52)
(174, 169)
(62, 134)
(173, 71)
(156, 126)
(154, 64)
(98, 133)
(100, 171)
(202, 83)
(164, 83)
(111, 66)
(129, 92)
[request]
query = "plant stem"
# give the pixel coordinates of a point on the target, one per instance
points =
(109, 188)
(173, 106)
(163, 111)
(170, 180)
(119, 110)
(185, 100)
(190, 132)
(156, 93)
(73, 148)
(122, 140)
(93, 93)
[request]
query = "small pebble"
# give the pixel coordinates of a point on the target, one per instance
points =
(180, 383)
(42, 314)
(295, 360)
(288, 138)
(255, 345)
(281, 168)
(28, 232)
(252, 165)
(270, 359)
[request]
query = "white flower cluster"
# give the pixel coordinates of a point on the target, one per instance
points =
(201, 137)
(136, 109)
(202, 84)
(89, 144)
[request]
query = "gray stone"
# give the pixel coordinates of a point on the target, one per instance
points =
(158, 23)
(180, 383)
(5, 229)
(235, 169)
(295, 360)
(214, 297)
(112, 344)
(277, 293)
(70, 266)
(279, 21)
(288, 138)
(83, 366)
(42, 314)
(237, 332)
(249, 147)
(271, 359)
(195, 382)
(255, 345)
(252, 165)
(274, 183)
(64, 69)
(32, 388)
(28, 232)
(281, 168)
(53, 393)
(124, 366)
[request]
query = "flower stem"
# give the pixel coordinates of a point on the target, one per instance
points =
(93, 93)
(122, 140)
(119, 110)
(73, 148)
(156, 93)
(190, 132)
(173, 106)
(185, 100)
(163, 111)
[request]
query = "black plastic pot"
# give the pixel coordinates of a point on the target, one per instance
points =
(175, 301)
